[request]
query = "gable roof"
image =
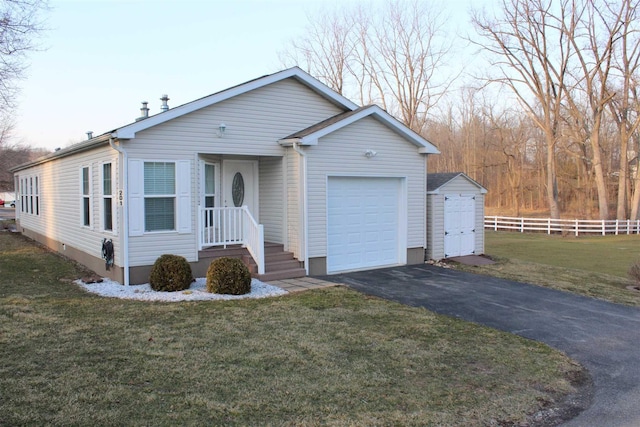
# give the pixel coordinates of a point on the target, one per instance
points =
(310, 135)
(129, 131)
(307, 136)
(436, 180)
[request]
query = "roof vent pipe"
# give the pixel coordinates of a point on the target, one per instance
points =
(89, 134)
(144, 111)
(164, 107)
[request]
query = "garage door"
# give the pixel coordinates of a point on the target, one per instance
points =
(363, 223)
(459, 225)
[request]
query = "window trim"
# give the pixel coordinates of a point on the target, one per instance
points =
(86, 222)
(104, 197)
(29, 194)
(173, 196)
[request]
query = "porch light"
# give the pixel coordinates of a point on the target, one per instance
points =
(370, 153)
(221, 128)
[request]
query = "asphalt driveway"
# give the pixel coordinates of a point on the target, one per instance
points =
(603, 337)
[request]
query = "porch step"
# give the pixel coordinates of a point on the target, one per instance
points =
(282, 274)
(279, 264)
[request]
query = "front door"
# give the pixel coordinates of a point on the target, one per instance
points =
(240, 184)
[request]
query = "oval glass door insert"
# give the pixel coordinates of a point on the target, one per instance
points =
(237, 189)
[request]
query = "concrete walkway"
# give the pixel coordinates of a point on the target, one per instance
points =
(603, 337)
(301, 284)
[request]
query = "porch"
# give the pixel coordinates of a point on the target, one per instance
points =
(233, 232)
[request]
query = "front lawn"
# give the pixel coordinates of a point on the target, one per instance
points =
(594, 266)
(323, 357)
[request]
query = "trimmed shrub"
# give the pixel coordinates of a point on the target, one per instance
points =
(228, 276)
(170, 273)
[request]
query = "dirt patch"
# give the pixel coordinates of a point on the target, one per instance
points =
(569, 407)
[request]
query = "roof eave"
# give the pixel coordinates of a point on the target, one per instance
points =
(73, 149)
(424, 146)
(129, 131)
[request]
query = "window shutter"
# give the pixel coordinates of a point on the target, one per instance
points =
(135, 188)
(183, 196)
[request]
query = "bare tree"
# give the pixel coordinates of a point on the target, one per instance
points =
(530, 51)
(388, 56)
(623, 105)
(20, 25)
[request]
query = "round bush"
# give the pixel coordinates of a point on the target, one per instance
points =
(228, 276)
(170, 273)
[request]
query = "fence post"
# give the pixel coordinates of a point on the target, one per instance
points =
(603, 227)
(522, 224)
(495, 223)
(576, 225)
(549, 226)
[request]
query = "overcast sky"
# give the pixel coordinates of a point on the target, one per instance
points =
(102, 58)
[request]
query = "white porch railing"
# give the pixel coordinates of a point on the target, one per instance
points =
(232, 226)
(571, 226)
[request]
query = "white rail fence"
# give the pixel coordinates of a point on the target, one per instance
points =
(563, 226)
(232, 226)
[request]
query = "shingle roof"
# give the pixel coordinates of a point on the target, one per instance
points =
(325, 123)
(437, 180)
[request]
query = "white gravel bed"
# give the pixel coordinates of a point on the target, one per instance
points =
(196, 292)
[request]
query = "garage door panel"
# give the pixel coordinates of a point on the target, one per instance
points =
(370, 236)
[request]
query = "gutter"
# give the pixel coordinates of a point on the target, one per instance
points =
(125, 213)
(305, 231)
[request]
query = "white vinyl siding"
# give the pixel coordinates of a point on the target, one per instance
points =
(272, 198)
(396, 158)
(255, 122)
(294, 203)
(59, 201)
(147, 245)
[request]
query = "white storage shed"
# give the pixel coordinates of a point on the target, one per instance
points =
(455, 216)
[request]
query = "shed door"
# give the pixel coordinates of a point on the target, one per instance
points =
(363, 223)
(459, 225)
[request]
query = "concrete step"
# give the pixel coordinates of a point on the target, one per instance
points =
(278, 256)
(282, 265)
(279, 264)
(282, 274)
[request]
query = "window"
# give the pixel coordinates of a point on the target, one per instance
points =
(209, 185)
(86, 197)
(159, 196)
(23, 197)
(37, 196)
(29, 193)
(107, 198)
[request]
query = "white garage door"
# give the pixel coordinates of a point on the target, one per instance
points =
(459, 225)
(363, 222)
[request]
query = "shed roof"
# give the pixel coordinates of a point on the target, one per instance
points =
(436, 180)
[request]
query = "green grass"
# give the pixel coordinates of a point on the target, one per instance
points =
(323, 357)
(612, 255)
(594, 266)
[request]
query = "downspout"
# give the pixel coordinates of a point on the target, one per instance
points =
(125, 213)
(303, 180)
